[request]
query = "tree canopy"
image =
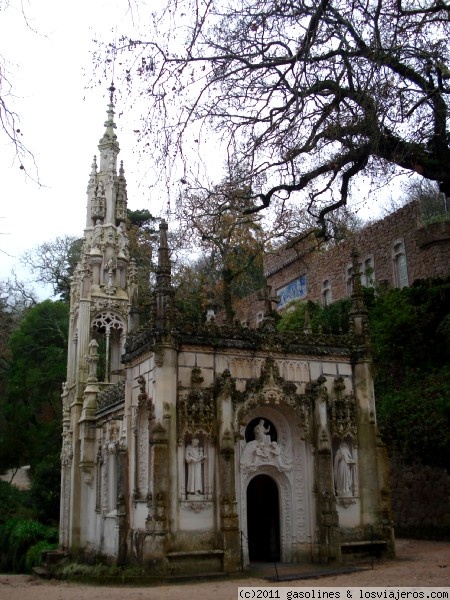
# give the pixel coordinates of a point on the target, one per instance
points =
(309, 94)
(232, 242)
(54, 263)
(30, 410)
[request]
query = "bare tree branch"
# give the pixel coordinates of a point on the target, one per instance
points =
(308, 95)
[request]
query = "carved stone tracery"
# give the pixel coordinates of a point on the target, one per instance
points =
(271, 390)
(196, 412)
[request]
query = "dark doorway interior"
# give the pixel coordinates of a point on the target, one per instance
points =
(263, 519)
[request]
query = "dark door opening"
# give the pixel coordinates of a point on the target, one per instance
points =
(263, 519)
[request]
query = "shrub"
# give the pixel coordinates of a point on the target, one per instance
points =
(17, 536)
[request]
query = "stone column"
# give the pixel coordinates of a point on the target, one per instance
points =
(229, 521)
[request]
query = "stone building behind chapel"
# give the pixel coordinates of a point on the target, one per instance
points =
(204, 448)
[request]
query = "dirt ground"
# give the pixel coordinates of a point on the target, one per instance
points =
(418, 563)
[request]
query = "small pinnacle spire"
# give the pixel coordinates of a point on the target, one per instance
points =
(163, 251)
(109, 135)
(357, 289)
(121, 170)
(111, 91)
(94, 165)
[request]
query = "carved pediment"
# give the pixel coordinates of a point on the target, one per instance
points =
(271, 390)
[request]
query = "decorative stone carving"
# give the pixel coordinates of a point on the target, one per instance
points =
(98, 205)
(122, 241)
(323, 437)
(196, 377)
(194, 458)
(343, 412)
(67, 449)
(121, 208)
(197, 506)
(196, 412)
(111, 397)
(107, 321)
(113, 441)
(92, 360)
(263, 451)
(105, 304)
(344, 466)
(271, 390)
(96, 236)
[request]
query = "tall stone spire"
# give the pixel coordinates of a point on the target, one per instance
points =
(104, 284)
(107, 198)
(103, 292)
(108, 145)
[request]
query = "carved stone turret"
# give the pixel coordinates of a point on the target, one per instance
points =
(359, 323)
(103, 290)
(163, 290)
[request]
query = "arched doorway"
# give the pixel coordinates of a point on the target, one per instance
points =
(263, 519)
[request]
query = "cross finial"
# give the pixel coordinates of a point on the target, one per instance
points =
(266, 295)
(111, 91)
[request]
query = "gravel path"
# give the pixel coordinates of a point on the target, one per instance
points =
(418, 563)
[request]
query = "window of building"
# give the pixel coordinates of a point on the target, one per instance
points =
(326, 292)
(259, 317)
(400, 264)
(367, 271)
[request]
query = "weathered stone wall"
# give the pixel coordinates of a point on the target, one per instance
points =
(420, 499)
(427, 250)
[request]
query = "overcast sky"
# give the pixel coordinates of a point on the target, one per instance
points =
(49, 63)
(62, 121)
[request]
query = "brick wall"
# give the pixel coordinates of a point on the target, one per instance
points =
(426, 248)
(427, 251)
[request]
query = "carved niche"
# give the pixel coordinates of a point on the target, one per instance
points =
(271, 390)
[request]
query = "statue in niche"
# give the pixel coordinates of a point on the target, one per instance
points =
(194, 458)
(97, 234)
(261, 432)
(122, 240)
(263, 451)
(344, 470)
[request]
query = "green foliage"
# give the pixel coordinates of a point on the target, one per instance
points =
(410, 331)
(141, 231)
(414, 418)
(44, 494)
(54, 263)
(191, 282)
(18, 537)
(13, 502)
(30, 411)
(412, 378)
(33, 556)
(328, 319)
(409, 328)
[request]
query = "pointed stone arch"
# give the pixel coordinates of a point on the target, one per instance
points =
(292, 471)
(110, 330)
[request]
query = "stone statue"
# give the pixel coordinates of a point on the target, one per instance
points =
(343, 470)
(122, 240)
(263, 451)
(97, 234)
(194, 458)
(261, 432)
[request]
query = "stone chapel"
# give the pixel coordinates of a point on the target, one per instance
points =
(206, 448)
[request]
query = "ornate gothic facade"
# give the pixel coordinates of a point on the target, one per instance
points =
(201, 448)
